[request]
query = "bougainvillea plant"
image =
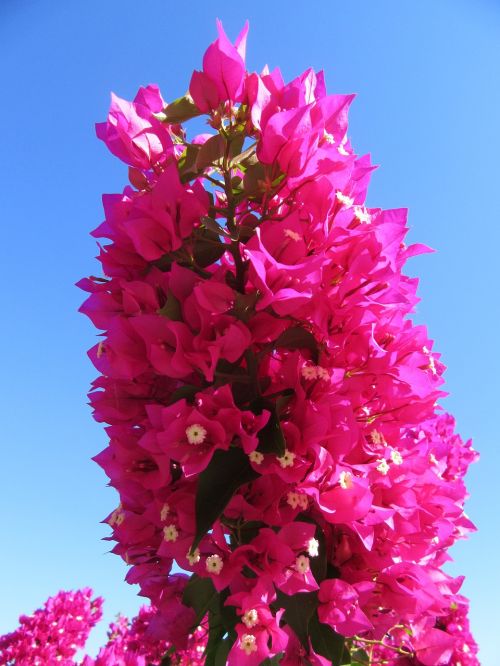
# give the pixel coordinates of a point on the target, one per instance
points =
(285, 472)
(56, 633)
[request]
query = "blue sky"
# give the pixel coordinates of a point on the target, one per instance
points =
(426, 74)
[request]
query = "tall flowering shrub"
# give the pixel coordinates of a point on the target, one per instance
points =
(271, 408)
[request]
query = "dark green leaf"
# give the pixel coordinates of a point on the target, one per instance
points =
(181, 109)
(210, 152)
(297, 337)
(216, 632)
(207, 252)
(187, 162)
(210, 223)
(225, 473)
(272, 661)
(244, 305)
(223, 649)
(236, 144)
(187, 392)
(252, 180)
(299, 609)
(200, 595)
(271, 438)
(245, 158)
(326, 641)
(171, 309)
(283, 400)
(360, 658)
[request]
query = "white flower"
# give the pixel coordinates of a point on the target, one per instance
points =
(170, 533)
(193, 557)
(345, 480)
(329, 138)
(196, 433)
(286, 460)
(313, 547)
(377, 437)
(309, 372)
(214, 564)
(361, 214)
(396, 457)
(256, 457)
(302, 564)
(293, 499)
(322, 373)
(250, 618)
(344, 199)
(165, 510)
(248, 644)
(383, 466)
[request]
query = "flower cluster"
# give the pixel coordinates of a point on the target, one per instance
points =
(52, 634)
(55, 633)
(271, 407)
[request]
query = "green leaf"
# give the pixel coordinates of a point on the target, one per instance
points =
(297, 337)
(216, 632)
(272, 661)
(207, 247)
(186, 392)
(251, 182)
(223, 649)
(171, 309)
(360, 658)
(271, 438)
(187, 162)
(245, 158)
(244, 305)
(210, 152)
(210, 223)
(299, 609)
(225, 473)
(200, 595)
(325, 641)
(181, 109)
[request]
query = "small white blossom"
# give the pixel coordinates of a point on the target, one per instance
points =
(329, 138)
(345, 480)
(309, 372)
(361, 214)
(256, 457)
(170, 533)
(248, 644)
(313, 547)
(302, 564)
(165, 510)
(193, 557)
(396, 457)
(322, 373)
(196, 433)
(377, 437)
(250, 618)
(344, 199)
(303, 501)
(383, 466)
(286, 460)
(214, 564)
(293, 499)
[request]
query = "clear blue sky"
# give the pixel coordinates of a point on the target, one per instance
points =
(427, 78)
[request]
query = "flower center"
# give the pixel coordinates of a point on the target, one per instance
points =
(196, 434)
